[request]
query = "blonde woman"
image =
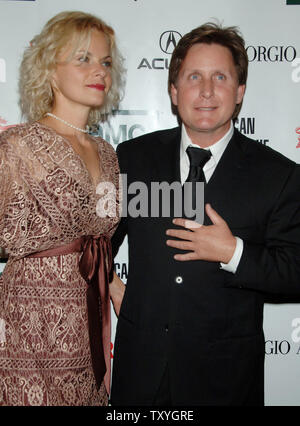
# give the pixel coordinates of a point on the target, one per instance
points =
(54, 291)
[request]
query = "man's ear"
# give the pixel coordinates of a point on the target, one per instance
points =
(240, 93)
(173, 93)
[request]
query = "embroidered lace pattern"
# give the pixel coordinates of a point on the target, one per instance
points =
(48, 199)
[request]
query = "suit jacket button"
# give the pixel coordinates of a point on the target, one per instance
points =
(179, 280)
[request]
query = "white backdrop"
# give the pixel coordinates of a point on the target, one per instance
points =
(270, 111)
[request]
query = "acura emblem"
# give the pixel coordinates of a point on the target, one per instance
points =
(168, 41)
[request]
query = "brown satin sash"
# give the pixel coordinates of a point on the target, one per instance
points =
(95, 265)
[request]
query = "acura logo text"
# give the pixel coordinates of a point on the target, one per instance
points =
(168, 40)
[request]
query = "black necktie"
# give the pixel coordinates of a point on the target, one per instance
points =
(198, 158)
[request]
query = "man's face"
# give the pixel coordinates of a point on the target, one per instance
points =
(206, 92)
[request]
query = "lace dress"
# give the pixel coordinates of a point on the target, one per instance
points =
(47, 200)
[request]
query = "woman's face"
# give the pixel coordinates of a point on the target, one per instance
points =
(86, 79)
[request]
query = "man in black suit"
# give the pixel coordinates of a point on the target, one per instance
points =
(190, 329)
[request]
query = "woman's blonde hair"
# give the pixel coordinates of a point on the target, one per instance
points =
(40, 59)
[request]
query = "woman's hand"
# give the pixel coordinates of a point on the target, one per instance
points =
(117, 290)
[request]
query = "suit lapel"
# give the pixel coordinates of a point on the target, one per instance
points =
(228, 179)
(165, 169)
(167, 157)
(232, 162)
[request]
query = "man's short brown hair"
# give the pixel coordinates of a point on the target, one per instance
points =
(211, 33)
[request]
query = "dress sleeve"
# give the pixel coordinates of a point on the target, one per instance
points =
(121, 231)
(5, 189)
(114, 192)
(20, 223)
(118, 187)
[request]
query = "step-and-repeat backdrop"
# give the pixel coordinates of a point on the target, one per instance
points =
(147, 31)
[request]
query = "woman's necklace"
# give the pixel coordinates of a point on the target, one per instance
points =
(66, 123)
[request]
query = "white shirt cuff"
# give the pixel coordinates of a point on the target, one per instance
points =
(232, 265)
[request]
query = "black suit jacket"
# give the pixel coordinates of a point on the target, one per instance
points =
(204, 322)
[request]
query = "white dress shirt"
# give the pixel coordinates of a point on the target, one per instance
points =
(217, 150)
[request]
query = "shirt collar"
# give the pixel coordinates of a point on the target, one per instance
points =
(216, 149)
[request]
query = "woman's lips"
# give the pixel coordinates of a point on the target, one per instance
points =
(100, 87)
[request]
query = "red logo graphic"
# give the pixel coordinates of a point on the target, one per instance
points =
(111, 350)
(2, 125)
(298, 133)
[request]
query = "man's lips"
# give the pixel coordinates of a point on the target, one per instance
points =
(100, 87)
(206, 108)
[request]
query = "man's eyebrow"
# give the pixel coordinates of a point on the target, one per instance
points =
(191, 71)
